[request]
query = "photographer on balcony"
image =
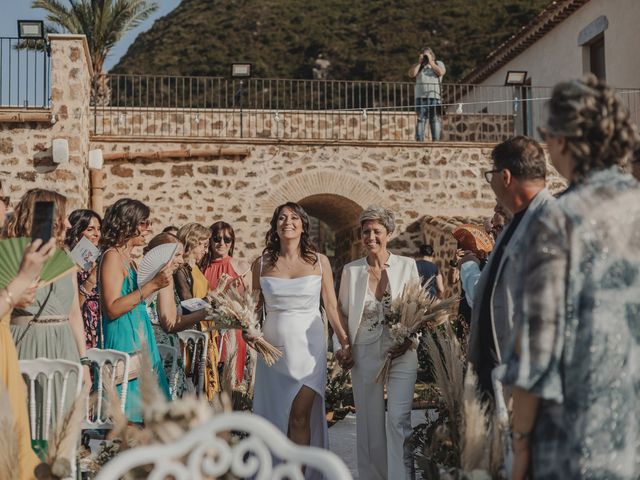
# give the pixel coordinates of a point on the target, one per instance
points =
(428, 73)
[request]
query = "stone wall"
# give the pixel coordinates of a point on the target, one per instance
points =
(296, 124)
(333, 182)
(25, 147)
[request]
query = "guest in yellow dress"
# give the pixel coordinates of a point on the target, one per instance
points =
(191, 283)
(20, 292)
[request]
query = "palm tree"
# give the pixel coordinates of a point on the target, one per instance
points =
(104, 22)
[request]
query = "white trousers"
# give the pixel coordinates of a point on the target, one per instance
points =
(384, 451)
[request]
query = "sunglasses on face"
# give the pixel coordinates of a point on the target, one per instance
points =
(218, 239)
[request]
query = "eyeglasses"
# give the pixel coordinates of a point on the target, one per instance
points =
(488, 175)
(146, 223)
(218, 239)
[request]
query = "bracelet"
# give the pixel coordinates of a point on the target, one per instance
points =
(345, 347)
(515, 435)
(9, 298)
(84, 361)
(141, 295)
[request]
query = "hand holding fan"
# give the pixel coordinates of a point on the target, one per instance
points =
(154, 261)
(12, 251)
(474, 238)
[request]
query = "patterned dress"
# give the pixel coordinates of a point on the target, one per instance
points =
(90, 310)
(171, 339)
(578, 329)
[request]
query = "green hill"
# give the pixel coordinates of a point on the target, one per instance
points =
(363, 39)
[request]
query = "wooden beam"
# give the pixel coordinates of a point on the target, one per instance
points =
(185, 153)
(23, 117)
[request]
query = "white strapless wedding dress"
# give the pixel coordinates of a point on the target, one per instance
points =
(294, 324)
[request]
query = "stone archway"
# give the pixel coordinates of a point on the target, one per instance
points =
(335, 198)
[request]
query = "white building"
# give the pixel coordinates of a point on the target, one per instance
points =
(567, 39)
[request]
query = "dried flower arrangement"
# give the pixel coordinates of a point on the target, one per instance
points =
(411, 312)
(232, 308)
(455, 444)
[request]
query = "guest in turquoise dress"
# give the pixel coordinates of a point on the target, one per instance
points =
(125, 323)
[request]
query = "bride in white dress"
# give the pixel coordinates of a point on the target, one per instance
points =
(292, 278)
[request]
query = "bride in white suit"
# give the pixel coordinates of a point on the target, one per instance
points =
(384, 450)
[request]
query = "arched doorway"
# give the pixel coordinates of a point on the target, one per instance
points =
(334, 226)
(333, 198)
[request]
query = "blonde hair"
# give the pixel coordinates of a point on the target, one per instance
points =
(191, 235)
(594, 122)
(21, 222)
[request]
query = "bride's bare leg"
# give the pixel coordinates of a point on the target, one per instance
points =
(300, 416)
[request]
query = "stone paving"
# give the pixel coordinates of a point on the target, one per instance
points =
(342, 439)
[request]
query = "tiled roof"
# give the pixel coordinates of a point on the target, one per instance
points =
(546, 20)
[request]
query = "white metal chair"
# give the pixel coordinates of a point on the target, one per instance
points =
(43, 371)
(198, 358)
(106, 360)
(265, 454)
(502, 416)
(169, 356)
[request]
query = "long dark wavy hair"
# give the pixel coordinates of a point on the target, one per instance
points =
(79, 220)
(122, 222)
(272, 240)
(218, 228)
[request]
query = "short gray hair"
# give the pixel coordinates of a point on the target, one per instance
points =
(376, 213)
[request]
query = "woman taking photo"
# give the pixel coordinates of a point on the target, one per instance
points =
(574, 368)
(366, 286)
(125, 323)
(191, 283)
(217, 263)
(51, 326)
(292, 278)
(87, 224)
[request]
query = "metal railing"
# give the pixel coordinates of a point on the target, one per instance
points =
(24, 73)
(151, 105)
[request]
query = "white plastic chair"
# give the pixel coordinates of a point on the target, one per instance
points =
(35, 370)
(169, 355)
(106, 361)
(205, 452)
(502, 416)
(197, 338)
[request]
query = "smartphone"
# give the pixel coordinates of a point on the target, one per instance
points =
(44, 214)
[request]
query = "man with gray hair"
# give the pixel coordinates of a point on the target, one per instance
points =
(518, 181)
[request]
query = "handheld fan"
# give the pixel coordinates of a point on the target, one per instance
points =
(12, 251)
(474, 238)
(154, 261)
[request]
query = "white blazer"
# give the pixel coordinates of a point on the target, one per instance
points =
(353, 287)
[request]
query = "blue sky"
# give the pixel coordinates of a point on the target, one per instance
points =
(14, 10)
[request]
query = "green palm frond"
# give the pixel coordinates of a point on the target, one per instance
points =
(103, 22)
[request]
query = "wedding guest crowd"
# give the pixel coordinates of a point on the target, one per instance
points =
(554, 303)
